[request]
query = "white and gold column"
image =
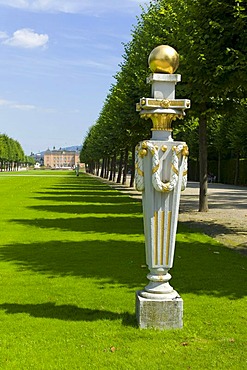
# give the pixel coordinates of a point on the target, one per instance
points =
(161, 174)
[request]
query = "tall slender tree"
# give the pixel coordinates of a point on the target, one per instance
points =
(211, 40)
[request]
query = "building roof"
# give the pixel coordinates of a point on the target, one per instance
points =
(62, 151)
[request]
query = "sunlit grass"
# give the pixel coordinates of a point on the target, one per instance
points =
(71, 259)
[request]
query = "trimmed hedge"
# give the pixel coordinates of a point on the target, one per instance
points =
(228, 170)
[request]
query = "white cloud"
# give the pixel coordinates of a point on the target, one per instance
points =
(15, 3)
(14, 105)
(25, 107)
(10, 104)
(4, 102)
(74, 6)
(3, 35)
(27, 38)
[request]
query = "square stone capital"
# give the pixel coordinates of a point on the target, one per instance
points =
(162, 77)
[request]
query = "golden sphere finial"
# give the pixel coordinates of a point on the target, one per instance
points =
(163, 59)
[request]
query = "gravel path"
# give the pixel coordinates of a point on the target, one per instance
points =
(226, 220)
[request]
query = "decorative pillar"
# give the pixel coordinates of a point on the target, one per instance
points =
(161, 174)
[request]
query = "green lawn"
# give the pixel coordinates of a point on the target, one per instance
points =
(71, 259)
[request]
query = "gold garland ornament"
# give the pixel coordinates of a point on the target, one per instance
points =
(142, 150)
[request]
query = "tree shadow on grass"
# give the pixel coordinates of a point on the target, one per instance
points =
(75, 198)
(200, 268)
(83, 182)
(126, 208)
(80, 192)
(90, 224)
(88, 190)
(212, 228)
(80, 186)
(67, 312)
(204, 266)
(105, 262)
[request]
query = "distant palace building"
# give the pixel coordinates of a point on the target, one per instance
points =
(61, 158)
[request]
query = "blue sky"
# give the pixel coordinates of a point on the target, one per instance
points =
(57, 61)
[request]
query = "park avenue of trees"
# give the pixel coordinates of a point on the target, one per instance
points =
(211, 38)
(11, 154)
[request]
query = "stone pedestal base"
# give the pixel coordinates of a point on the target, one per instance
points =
(159, 314)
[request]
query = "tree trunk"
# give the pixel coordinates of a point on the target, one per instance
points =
(203, 197)
(92, 169)
(219, 168)
(236, 170)
(126, 158)
(102, 168)
(107, 163)
(97, 168)
(197, 170)
(132, 178)
(120, 165)
(112, 170)
(114, 167)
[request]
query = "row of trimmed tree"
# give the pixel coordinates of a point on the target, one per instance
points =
(11, 154)
(211, 38)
